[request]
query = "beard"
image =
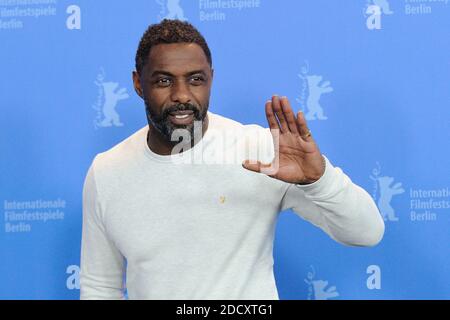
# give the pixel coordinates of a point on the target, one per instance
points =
(165, 127)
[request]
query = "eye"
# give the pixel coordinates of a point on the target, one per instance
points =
(163, 82)
(197, 80)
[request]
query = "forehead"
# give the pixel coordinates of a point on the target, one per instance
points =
(177, 56)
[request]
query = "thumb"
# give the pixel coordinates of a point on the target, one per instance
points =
(256, 166)
(252, 165)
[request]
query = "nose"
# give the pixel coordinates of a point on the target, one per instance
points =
(180, 93)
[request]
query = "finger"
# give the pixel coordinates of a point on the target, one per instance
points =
(271, 119)
(302, 126)
(257, 166)
(252, 165)
(276, 106)
(288, 114)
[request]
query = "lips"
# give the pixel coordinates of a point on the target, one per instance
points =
(183, 117)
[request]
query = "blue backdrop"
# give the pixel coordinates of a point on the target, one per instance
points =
(372, 76)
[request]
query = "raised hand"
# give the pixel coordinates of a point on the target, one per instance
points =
(297, 157)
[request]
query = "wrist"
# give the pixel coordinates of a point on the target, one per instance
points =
(312, 180)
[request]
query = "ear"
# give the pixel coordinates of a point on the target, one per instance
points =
(137, 84)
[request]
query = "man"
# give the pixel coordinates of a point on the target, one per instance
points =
(190, 224)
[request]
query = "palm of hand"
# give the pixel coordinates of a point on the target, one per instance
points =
(297, 157)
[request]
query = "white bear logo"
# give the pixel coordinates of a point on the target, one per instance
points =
(318, 289)
(109, 95)
(316, 88)
(386, 192)
(175, 11)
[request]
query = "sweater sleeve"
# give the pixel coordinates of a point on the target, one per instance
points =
(342, 209)
(102, 265)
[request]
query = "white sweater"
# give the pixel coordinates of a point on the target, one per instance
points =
(203, 229)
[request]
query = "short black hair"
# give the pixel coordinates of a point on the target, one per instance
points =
(169, 31)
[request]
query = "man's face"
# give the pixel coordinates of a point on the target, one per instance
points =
(175, 85)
